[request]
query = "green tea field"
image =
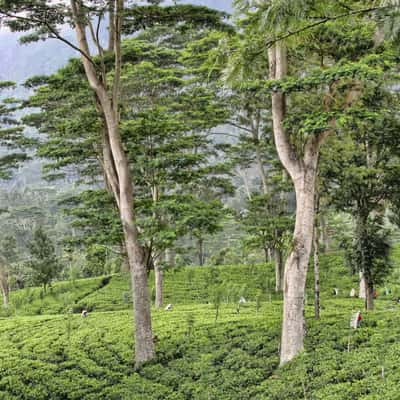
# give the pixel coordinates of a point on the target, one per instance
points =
(49, 352)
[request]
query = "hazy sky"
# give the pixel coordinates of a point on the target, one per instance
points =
(20, 62)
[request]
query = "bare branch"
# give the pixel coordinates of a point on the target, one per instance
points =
(239, 126)
(96, 41)
(51, 30)
(119, 9)
(270, 43)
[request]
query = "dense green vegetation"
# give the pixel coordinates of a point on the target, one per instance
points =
(223, 199)
(183, 285)
(63, 356)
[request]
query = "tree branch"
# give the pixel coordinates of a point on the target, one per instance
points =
(117, 54)
(51, 30)
(239, 126)
(270, 43)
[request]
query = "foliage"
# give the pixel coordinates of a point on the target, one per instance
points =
(44, 261)
(267, 222)
(235, 357)
(11, 134)
(165, 117)
(371, 248)
(360, 175)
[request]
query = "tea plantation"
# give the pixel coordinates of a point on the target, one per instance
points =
(49, 352)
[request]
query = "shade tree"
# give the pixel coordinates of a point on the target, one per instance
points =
(43, 261)
(45, 20)
(301, 121)
(168, 145)
(361, 174)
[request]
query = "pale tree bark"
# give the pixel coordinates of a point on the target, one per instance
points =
(243, 176)
(108, 167)
(157, 259)
(256, 133)
(261, 169)
(324, 233)
(279, 270)
(159, 281)
(125, 261)
(108, 99)
(5, 289)
(303, 173)
(316, 270)
(362, 288)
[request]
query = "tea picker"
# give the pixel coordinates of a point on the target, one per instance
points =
(356, 319)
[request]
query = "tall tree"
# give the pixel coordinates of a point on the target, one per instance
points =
(44, 261)
(46, 18)
(362, 178)
(301, 126)
(11, 134)
(12, 143)
(8, 256)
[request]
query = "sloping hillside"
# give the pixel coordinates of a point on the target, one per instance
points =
(204, 351)
(182, 286)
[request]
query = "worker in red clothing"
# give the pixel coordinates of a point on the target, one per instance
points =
(359, 319)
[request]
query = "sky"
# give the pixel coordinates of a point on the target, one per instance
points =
(18, 62)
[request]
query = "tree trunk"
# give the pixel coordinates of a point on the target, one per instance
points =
(267, 255)
(362, 291)
(144, 346)
(316, 272)
(369, 298)
(4, 288)
(125, 261)
(245, 183)
(200, 245)
(316, 236)
(263, 175)
(366, 282)
(278, 270)
(6, 299)
(109, 170)
(255, 129)
(324, 233)
(303, 173)
(111, 26)
(159, 280)
(170, 257)
(293, 327)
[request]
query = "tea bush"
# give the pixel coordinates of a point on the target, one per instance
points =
(56, 354)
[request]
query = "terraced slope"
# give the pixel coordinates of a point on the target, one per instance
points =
(67, 357)
(182, 286)
(53, 353)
